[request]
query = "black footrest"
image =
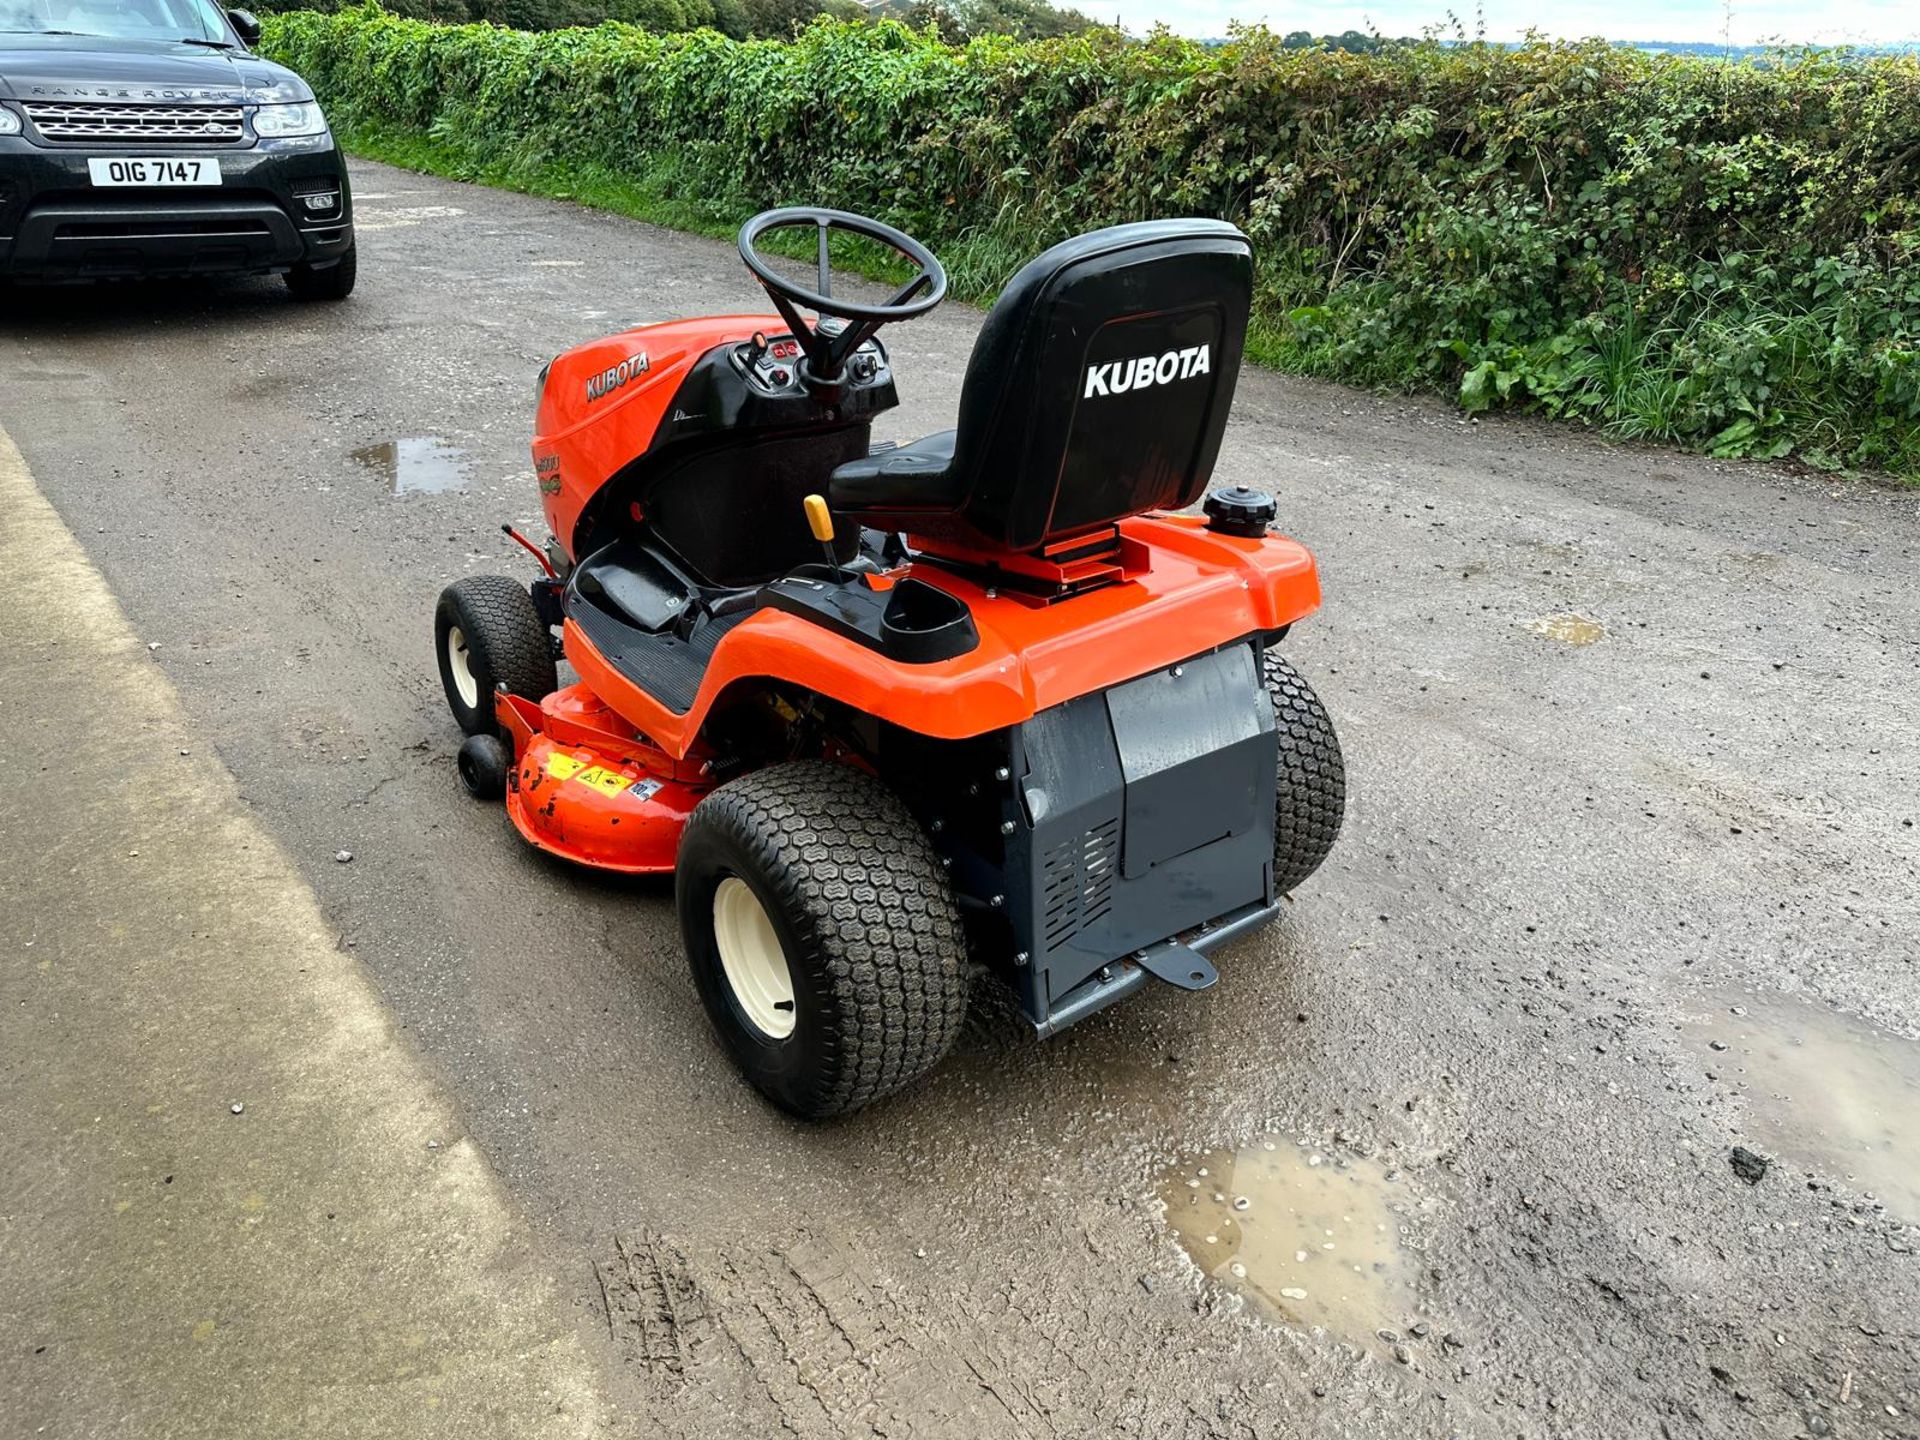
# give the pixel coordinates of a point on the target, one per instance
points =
(665, 666)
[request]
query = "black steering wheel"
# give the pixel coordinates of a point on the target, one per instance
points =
(826, 351)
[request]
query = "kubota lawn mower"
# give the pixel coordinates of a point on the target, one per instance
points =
(899, 718)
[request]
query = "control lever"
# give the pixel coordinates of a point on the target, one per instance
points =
(820, 521)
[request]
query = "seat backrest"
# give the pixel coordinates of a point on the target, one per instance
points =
(1099, 385)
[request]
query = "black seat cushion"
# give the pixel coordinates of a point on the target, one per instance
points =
(915, 477)
(1098, 388)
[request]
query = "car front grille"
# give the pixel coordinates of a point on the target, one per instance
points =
(140, 124)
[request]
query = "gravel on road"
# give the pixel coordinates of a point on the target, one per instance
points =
(1633, 745)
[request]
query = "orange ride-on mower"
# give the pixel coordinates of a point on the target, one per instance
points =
(901, 718)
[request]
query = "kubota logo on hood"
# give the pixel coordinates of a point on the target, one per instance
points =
(609, 380)
(1117, 377)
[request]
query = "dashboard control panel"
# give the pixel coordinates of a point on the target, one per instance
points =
(772, 364)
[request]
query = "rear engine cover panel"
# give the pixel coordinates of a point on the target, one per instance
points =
(1189, 740)
(1140, 812)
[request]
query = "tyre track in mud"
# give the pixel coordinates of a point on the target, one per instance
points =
(820, 1344)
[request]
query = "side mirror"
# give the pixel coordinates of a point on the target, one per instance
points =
(245, 25)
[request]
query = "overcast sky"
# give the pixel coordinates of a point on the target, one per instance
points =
(1754, 21)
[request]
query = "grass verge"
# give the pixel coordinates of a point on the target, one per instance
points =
(1625, 384)
(650, 196)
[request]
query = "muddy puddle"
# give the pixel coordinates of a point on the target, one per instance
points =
(1568, 629)
(1823, 1091)
(417, 465)
(1309, 1237)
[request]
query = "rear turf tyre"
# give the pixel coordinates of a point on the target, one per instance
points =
(823, 935)
(335, 282)
(1310, 796)
(488, 634)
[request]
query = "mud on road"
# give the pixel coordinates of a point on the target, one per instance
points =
(1634, 754)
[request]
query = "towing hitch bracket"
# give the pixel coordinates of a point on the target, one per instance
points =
(1177, 964)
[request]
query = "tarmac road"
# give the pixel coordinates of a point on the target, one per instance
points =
(1633, 740)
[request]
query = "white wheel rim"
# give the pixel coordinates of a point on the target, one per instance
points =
(753, 959)
(460, 666)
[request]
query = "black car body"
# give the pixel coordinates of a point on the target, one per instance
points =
(161, 149)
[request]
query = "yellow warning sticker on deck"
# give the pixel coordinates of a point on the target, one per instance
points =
(563, 767)
(607, 782)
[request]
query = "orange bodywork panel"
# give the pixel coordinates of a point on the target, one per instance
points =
(603, 402)
(584, 787)
(1195, 590)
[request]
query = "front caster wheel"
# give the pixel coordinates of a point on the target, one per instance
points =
(823, 935)
(483, 762)
(488, 634)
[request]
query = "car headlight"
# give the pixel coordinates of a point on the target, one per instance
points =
(9, 122)
(302, 118)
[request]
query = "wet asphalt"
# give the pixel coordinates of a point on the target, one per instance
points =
(1630, 736)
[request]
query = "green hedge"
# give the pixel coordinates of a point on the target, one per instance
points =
(738, 18)
(1722, 254)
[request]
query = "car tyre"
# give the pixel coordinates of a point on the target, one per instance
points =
(330, 282)
(823, 935)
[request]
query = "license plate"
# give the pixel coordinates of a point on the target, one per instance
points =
(154, 172)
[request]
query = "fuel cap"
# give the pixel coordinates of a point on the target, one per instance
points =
(1237, 510)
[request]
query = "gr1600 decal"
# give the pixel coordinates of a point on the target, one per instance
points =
(1117, 377)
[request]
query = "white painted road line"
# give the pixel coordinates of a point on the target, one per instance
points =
(232, 1200)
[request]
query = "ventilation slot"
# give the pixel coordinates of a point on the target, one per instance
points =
(1098, 852)
(1076, 882)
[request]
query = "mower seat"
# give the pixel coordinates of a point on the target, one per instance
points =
(1098, 389)
(921, 475)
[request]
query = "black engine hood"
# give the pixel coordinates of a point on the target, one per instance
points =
(92, 67)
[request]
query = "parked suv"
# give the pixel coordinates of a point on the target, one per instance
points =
(144, 137)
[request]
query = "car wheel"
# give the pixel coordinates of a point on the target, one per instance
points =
(330, 282)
